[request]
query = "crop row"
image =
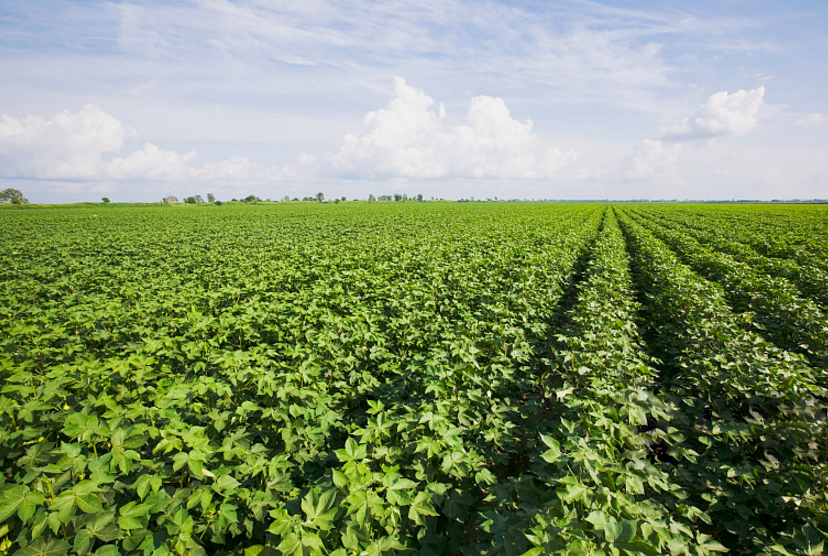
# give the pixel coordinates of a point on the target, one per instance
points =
(776, 308)
(752, 414)
(808, 272)
(797, 233)
(596, 480)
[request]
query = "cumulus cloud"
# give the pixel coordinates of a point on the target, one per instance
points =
(722, 115)
(652, 159)
(409, 138)
(93, 145)
(68, 146)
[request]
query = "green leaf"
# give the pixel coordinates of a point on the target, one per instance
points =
(42, 547)
(598, 519)
(83, 541)
(554, 452)
(29, 506)
(63, 505)
(420, 508)
(619, 531)
(291, 544)
(108, 550)
(485, 477)
(85, 487)
(319, 508)
(11, 499)
(180, 460)
(403, 484)
(89, 503)
(350, 540)
(128, 523)
(634, 484)
(196, 467)
(340, 480)
(102, 527)
(574, 492)
(227, 482)
(142, 486)
(637, 415)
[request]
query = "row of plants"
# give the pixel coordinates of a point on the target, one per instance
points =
(792, 231)
(752, 415)
(775, 307)
(597, 480)
(808, 273)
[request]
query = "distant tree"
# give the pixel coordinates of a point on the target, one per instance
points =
(218, 203)
(320, 197)
(169, 199)
(336, 201)
(104, 199)
(371, 197)
(268, 200)
(251, 199)
(190, 200)
(420, 197)
(211, 198)
(286, 198)
(397, 197)
(198, 199)
(295, 199)
(343, 198)
(13, 196)
(234, 200)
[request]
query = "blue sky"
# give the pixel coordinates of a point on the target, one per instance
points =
(572, 99)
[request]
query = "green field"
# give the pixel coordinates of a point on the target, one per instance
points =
(414, 378)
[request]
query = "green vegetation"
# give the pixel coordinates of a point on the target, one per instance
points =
(413, 378)
(13, 196)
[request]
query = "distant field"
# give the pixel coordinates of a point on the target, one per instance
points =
(414, 378)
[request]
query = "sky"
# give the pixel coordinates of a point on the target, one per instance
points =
(138, 100)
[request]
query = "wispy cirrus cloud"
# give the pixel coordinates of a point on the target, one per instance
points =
(579, 52)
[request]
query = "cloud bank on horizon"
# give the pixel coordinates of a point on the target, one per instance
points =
(578, 100)
(92, 145)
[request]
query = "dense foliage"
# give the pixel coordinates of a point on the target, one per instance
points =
(432, 378)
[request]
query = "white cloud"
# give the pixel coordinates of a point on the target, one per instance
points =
(70, 145)
(724, 114)
(814, 118)
(151, 162)
(653, 160)
(409, 138)
(89, 145)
